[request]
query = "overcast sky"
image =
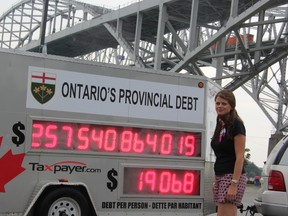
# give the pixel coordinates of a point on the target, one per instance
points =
(257, 125)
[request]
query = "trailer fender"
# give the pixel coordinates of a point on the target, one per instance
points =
(44, 188)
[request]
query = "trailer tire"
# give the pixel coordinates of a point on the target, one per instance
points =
(64, 201)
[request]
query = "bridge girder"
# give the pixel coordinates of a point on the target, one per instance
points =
(241, 43)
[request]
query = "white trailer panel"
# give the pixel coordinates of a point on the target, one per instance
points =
(126, 141)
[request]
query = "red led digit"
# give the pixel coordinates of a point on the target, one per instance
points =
(165, 182)
(166, 144)
(152, 141)
(83, 136)
(37, 134)
(138, 145)
(69, 136)
(110, 140)
(181, 145)
(176, 184)
(97, 136)
(140, 182)
(126, 141)
(150, 179)
(190, 145)
(188, 182)
(50, 135)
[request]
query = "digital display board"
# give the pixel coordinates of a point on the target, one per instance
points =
(54, 135)
(159, 181)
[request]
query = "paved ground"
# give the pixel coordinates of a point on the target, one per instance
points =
(249, 196)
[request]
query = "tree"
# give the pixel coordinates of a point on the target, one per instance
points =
(251, 169)
(247, 156)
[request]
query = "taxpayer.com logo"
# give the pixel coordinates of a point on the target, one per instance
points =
(64, 166)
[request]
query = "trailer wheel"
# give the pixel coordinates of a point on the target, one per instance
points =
(63, 202)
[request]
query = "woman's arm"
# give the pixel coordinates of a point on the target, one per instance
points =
(239, 144)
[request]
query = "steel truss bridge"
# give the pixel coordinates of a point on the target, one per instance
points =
(236, 43)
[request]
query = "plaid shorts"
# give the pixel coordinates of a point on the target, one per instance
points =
(221, 186)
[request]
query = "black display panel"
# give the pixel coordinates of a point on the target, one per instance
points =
(54, 135)
(158, 181)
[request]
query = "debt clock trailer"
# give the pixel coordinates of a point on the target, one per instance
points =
(82, 138)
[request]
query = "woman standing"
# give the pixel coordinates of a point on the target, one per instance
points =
(228, 143)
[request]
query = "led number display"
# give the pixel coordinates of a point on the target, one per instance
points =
(156, 181)
(104, 138)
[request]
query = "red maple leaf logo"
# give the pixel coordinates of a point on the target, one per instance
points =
(10, 167)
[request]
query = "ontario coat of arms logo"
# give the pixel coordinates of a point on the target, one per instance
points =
(43, 86)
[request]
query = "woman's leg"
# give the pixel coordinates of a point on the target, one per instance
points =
(226, 209)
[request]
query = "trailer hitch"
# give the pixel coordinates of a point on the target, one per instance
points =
(251, 209)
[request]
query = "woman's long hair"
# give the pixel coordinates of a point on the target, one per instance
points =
(229, 118)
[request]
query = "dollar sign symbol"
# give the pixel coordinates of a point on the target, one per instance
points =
(20, 138)
(114, 183)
